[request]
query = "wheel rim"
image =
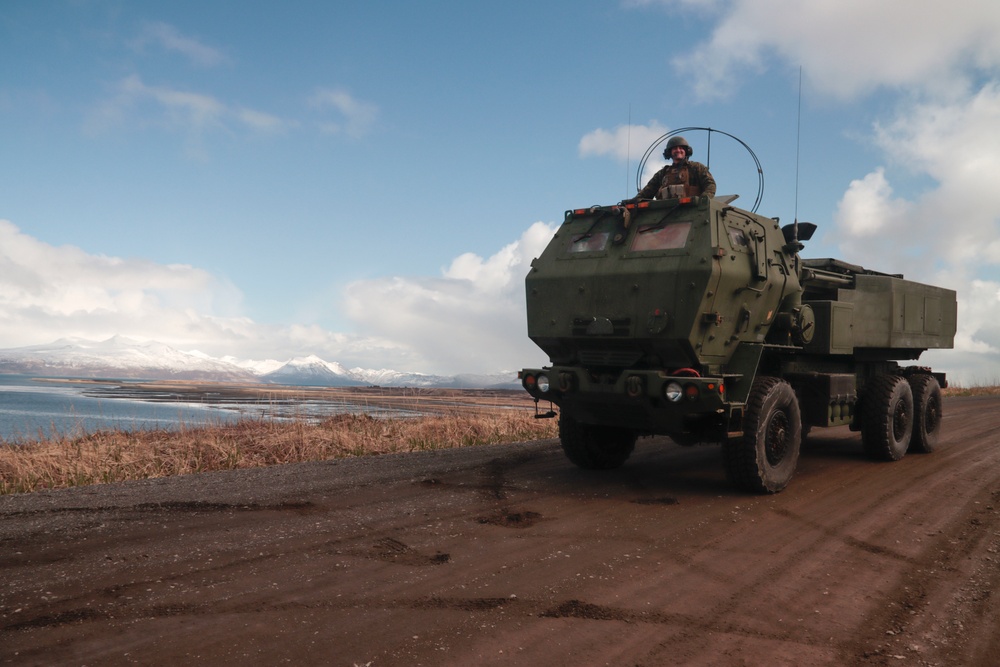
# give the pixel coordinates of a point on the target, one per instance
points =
(776, 438)
(900, 419)
(932, 416)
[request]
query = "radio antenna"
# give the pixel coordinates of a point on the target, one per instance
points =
(798, 134)
(628, 150)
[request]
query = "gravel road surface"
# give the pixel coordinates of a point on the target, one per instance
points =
(509, 555)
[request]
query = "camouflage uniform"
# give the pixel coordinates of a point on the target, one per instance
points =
(693, 177)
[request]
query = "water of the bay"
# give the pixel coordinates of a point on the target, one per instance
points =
(39, 408)
(32, 409)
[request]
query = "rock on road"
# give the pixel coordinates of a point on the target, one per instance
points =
(509, 555)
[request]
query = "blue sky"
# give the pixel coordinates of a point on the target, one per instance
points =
(367, 181)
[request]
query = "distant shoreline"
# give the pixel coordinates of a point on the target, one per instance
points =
(436, 400)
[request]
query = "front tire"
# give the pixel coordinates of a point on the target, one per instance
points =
(764, 459)
(595, 447)
(887, 418)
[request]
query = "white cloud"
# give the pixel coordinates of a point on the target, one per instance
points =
(264, 122)
(184, 107)
(944, 234)
(471, 319)
(626, 142)
(136, 103)
(932, 210)
(867, 207)
(849, 47)
(954, 144)
(48, 292)
(682, 4)
(168, 38)
(354, 117)
(623, 142)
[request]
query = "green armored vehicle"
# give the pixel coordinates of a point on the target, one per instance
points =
(695, 319)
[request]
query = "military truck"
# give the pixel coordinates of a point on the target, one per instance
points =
(698, 320)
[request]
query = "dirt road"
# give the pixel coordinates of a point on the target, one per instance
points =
(509, 555)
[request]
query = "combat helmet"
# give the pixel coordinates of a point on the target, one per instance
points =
(677, 141)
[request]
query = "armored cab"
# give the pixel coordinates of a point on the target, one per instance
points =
(695, 319)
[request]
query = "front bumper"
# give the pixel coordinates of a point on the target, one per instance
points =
(647, 401)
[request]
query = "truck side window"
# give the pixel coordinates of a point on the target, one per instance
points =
(738, 239)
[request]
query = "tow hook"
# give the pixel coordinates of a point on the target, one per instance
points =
(544, 415)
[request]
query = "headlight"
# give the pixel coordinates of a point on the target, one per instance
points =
(673, 392)
(543, 383)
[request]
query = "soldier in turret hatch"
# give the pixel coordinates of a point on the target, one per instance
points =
(681, 178)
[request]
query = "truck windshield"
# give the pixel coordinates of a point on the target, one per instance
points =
(657, 237)
(593, 239)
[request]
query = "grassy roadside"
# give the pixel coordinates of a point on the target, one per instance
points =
(958, 390)
(116, 455)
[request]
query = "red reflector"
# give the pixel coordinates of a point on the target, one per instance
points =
(722, 389)
(691, 391)
(580, 211)
(685, 200)
(529, 380)
(643, 204)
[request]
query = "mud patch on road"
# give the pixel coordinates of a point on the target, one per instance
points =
(655, 501)
(61, 618)
(463, 604)
(394, 551)
(301, 507)
(495, 483)
(511, 519)
(593, 612)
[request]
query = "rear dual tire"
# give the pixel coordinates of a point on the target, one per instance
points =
(887, 417)
(927, 413)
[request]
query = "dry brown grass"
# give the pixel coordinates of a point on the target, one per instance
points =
(116, 455)
(959, 390)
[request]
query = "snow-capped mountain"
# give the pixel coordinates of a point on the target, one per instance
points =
(312, 370)
(121, 357)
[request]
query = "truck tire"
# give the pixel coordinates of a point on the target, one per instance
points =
(764, 459)
(926, 412)
(595, 447)
(887, 417)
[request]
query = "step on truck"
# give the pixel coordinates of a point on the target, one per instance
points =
(697, 320)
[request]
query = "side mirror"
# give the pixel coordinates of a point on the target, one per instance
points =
(806, 231)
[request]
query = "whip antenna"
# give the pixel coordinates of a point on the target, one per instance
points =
(628, 149)
(798, 134)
